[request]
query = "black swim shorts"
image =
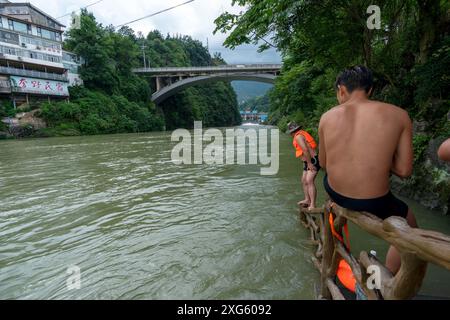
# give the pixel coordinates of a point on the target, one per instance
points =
(315, 162)
(383, 207)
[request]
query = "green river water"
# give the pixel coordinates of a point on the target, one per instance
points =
(140, 227)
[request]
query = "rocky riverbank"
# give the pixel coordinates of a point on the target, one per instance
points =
(23, 125)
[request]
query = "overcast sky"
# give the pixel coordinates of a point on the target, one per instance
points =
(195, 19)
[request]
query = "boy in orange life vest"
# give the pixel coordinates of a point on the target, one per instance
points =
(305, 147)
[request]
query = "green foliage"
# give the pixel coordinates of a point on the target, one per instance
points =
(410, 55)
(296, 79)
(95, 44)
(92, 113)
(420, 143)
(178, 51)
(60, 130)
(260, 104)
(283, 124)
(431, 82)
(246, 90)
(197, 104)
(7, 109)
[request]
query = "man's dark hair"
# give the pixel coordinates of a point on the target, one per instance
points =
(357, 77)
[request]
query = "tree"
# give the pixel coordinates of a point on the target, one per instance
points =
(91, 42)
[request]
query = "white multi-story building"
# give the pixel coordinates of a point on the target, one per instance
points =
(32, 62)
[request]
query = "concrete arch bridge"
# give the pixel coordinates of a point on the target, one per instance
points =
(170, 81)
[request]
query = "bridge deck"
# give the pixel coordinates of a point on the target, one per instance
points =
(256, 68)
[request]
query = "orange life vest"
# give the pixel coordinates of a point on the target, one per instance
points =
(309, 140)
(344, 272)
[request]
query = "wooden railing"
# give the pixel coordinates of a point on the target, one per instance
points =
(417, 248)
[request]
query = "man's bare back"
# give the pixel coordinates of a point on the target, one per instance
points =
(361, 143)
(364, 142)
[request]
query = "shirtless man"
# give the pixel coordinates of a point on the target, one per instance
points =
(305, 149)
(363, 142)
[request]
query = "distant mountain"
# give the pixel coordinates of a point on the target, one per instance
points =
(247, 90)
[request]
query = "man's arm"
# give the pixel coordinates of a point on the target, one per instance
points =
(404, 156)
(302, 143)
(444, 151)
(322, 152)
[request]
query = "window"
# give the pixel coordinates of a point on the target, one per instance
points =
(18, 26)
(51, 23)
(1, 22)
(41, 43)
(48, 34)
(29, 30)
(39, 31)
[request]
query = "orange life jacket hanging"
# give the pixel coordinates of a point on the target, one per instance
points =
(344, 272)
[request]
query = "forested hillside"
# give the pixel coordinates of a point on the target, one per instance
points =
(260, 104)
(246, 90)
(114, 100)
(409, 54)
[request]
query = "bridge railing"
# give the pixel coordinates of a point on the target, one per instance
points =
(417, 248)
(234, 68)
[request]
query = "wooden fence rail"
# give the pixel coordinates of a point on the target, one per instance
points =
(417, 248)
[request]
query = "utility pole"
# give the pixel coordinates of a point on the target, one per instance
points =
(207, 45)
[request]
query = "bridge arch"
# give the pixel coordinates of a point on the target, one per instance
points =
(178, 86)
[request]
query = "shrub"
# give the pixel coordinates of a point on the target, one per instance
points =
(94, 113)
(420, 144)
(7, 109)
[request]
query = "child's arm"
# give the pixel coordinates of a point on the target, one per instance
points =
(322, 152)
(444, 151)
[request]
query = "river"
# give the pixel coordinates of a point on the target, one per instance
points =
(140, 227)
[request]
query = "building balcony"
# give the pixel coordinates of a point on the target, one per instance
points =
(33, 74)
(5, 86)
